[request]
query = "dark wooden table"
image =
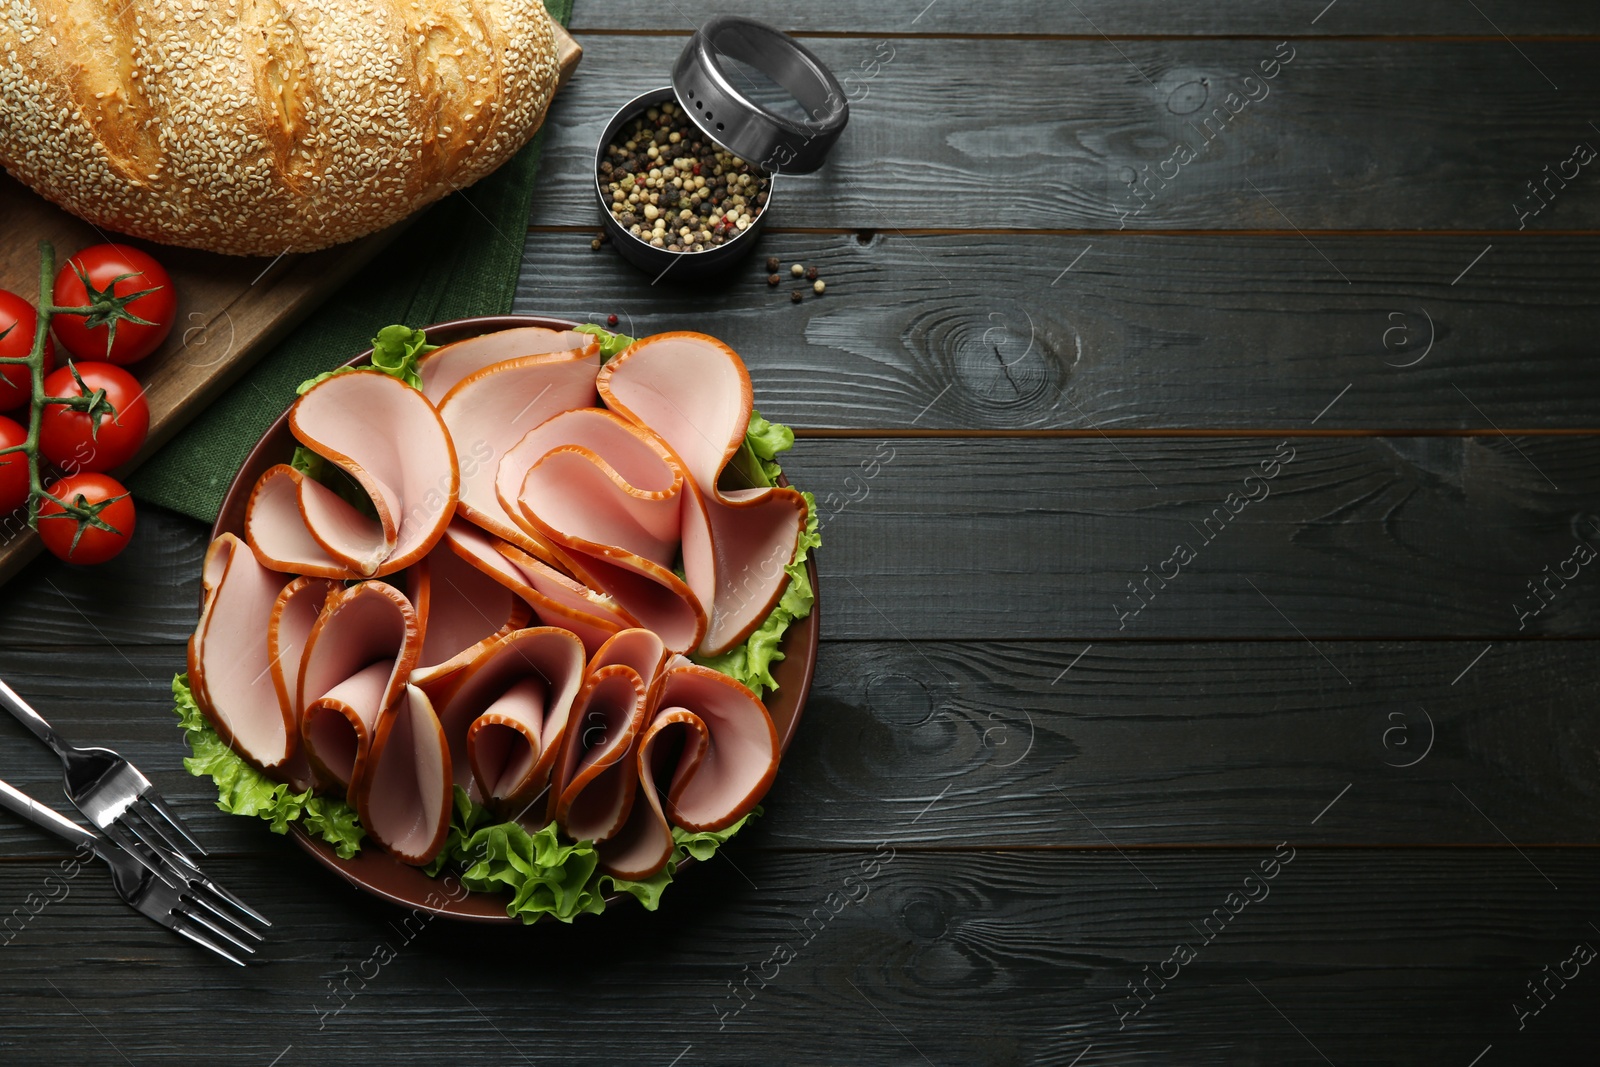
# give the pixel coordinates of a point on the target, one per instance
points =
(1320, 785)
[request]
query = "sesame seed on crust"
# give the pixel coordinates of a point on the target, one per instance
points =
(257, 127)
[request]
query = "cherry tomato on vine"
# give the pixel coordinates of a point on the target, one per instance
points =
(13, 468)
(100, 524)
(108, 432)
(133, 300)
(18, 320)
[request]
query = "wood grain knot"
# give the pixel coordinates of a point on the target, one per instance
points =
(994, 363)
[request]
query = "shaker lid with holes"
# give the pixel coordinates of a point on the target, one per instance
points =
(761, 94)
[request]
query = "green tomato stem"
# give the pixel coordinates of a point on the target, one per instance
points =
(81, 402)
(83, 514)
(41, 334)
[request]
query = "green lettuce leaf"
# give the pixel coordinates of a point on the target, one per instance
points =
(395, 351)
(611, 344)
(765, 440)
(545, 875)
(335, 822)
(703, 844)
(754, 462)
(243, 790)
(647, 893)
(464, 819)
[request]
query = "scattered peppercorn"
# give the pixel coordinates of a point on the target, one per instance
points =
(595, 244)
(671, 188)
(796, 296)
(797, 270)
(811, 274)
(611, 320)
(773, 263)
(819, 286)
(773, 280)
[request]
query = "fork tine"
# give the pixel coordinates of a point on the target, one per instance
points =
(153, 839)
(125, 841)
(201, 920)
(231, 899)
(146, 815)
(200, 899)
(203, 943)
(191, 873)
(153, 799)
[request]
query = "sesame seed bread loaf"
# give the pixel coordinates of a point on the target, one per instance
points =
(257, 127)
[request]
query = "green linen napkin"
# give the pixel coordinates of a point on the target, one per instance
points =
(461, 258)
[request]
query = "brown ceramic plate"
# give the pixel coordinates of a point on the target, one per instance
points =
(374, 870)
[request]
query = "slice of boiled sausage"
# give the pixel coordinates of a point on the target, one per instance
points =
(694, 393)
(391, 441)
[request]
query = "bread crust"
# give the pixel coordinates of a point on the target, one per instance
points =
(258, 127)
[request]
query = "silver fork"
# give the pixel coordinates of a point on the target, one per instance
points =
(190, 906)
(114, 796)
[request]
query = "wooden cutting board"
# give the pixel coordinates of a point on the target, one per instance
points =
(231, 309)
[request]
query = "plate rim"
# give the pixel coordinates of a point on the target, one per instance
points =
(374, 871)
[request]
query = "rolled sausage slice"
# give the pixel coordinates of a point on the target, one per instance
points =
(391, 441)
(461, 610)
(359, 654)
(506, 712)
(490, 410)
(230, 664)
(711, 748)
(404, 796)
(557, 599)
(694, 393)
(441, 370)
(596, 779)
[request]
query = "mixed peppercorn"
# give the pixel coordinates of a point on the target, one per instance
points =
(674, 188)
(796, 270)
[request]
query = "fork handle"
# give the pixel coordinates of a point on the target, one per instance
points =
(29, 718)
(47, 818)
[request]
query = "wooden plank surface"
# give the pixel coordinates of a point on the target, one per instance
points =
(1351, 135)
(1356, 536)
(231, 309)
(1092, 18)
(1122, 332)
(1067, 797)
(996, 958)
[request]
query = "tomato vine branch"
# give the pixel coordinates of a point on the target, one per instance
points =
(86, 515)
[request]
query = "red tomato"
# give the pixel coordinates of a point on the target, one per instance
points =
(18, 320)
(105, 436)
(13, 468)
(93, 538)
(125, 327)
